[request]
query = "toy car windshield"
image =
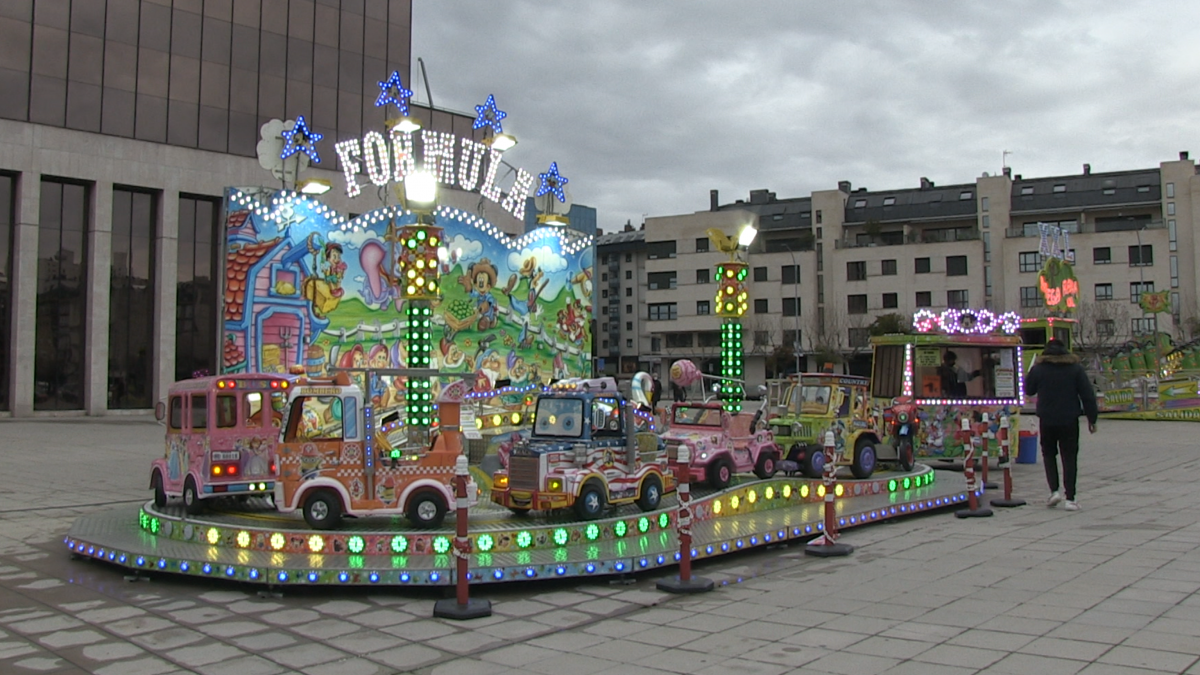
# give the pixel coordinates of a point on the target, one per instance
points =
(706, 417)
(814, 400)
(559, 417)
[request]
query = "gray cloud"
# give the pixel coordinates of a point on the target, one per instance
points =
(648, 105)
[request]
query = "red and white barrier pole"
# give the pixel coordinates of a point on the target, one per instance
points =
(462, 606)
(1005, 465)
(985, 436)
(685, 582)
(974, 510)
(826, 546)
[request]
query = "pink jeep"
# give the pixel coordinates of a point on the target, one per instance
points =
(721, 444)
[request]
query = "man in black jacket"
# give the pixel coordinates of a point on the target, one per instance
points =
(1064, 393)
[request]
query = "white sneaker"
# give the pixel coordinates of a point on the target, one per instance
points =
(1072, 505)
(1055, 498)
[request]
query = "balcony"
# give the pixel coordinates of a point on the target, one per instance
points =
(936, 236)
(1018, 231)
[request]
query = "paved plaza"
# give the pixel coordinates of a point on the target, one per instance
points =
(1107, 590)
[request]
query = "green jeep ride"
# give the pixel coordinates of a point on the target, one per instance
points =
(819, 402)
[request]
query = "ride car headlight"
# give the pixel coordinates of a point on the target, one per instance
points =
(555, 485)
(704, 455)
(501, 481)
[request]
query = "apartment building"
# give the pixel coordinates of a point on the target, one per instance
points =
(825, 266)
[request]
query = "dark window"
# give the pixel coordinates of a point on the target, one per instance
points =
(660, 249)
(1101, 255)
(629, 292)
(658, 281)
(702, 276)
(708, 338)
(1141, 256)
(7, 200)
(891, 300)
(196, 309)
(131, 290)
(761, 306)
(1029, 261)
(956, 265)
(924, 299)
(887, 267)
(1143, 326)
(702, 245)
(1137, 288)
(1106, 327)
(1104, 291)
(628, 274)
(790, 274)
(921, 265)
(1030, 297)
(760, 274)
(958, 299)
(856, 304)
(679, 339)
(856, 271)
(859, 337)
(61, 296)
(702, 307)
(791, 306)
(662, 311)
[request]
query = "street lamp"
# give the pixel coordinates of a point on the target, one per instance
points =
(796, 295)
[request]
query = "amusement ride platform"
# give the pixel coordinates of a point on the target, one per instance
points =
(257, 545)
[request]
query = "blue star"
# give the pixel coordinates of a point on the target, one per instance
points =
(553, 183)
(399, 98)
(306, 142)
(492, 119)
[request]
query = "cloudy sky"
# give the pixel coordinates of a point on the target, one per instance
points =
(647, 105)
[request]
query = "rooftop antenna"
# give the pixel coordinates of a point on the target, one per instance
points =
(425, 81)
(1003, 158)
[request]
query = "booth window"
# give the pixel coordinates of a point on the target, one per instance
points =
(888, 378)
(966, 372)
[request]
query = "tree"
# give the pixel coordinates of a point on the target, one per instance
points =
(890, 324)
(1101, 325)
(825, 336)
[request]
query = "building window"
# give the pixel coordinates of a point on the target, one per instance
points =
(628, 325)
(856, 271)
(1026, 190)
(605, 345)
(921, 265)
(628, 275)
(1101, 255)
(924, 299)
(958, 299)
(604, 310)
(702, 307)
(986, 221)
(762, 338)
(818, 216)
(662, 311)
(792, 337)
(1143, 326)
(965, 195)
(1106, 327)
(629, 292)
(131, 290)
(603, 328)
(1137, 288)
(708, 338)
(1060, 188)
(859, 337)
(791, 306)
(1141, 256)
(656, 344)
(8, 185)
(790, 274)
(660, 249)
(760, 306)
(628, 257)
(676, 340)
(658, 281)
(196, 313)
(61, 336)
(701, 244)
(887, 267)
(760, 274)
(1172, 235)
(629, 344)
(1171, 190)
(702, 276)
(629, 309)
(856, 304)
(604, 277)
(891, 300)
(983, 204)
(1104, 291)
(889, 201)
(604, 293)
(1030, 297)
(1029, 261)
(1170, 208)
(956, 265)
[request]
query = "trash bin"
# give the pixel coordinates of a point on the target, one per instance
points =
(1027, 447)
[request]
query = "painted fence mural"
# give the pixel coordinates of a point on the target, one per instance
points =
(305, 286)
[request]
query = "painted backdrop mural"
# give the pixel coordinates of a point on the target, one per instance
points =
(305, 286)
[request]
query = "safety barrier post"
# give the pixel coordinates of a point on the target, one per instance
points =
(684, 582)
(1005, 465)
(462, 606)
(826, 546)
(974, 510)
(986, 435)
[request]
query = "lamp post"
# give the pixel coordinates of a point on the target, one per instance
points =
(796, 294)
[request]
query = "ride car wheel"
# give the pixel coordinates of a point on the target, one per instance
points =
(814, 462)
(591, 501)
(720, 474)
(651, 493)
(764, 468)
(323, 510)
(426, 509)
(160, 495)
(864, 459)
(191, 498)
(905, 454)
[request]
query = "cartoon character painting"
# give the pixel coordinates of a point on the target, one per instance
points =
(478, 282)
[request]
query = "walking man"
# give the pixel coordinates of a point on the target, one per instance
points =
(1064, 393)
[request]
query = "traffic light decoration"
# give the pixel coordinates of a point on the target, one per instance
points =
(417, 395)
(418, 259)
(731, 391)
(732, 297)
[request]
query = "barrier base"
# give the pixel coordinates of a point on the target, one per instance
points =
(1008, 503)
(990, 486)
(981, 512)
(449, 608)
(679, 586)
(828, 550)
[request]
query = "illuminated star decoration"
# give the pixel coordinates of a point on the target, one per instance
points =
(489, 115)
(392, 91)
(553, 183)
(301, 139)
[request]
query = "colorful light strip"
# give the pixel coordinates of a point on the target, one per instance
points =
(954, 321)
(730, 388)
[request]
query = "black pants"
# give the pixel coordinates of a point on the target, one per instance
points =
(1063, 441)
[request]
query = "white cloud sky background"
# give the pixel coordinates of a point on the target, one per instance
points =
(646, 106)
